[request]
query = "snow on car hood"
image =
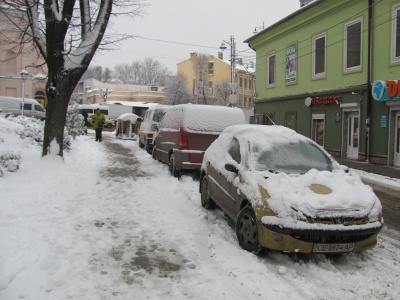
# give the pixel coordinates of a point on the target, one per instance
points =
(336, 194)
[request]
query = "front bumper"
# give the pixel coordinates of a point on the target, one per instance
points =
(302, 240)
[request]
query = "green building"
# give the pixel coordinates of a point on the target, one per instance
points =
(331, 71)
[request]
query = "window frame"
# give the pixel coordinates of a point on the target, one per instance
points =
(314, 135)
(268, 83)
(395, 37)
(346, 26)
(314, 55)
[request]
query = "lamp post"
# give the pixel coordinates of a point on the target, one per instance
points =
(232, 98)
(24, 74)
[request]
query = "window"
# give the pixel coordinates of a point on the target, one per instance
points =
(271, 69)
(269, 119)
(250, 84)
(353, 45)
(210, 84)
(234, 150)
(396, 34)
(241, 82)
(245, 101)
(319, 57)
(210, 68)
(245, 83)
(318, 129)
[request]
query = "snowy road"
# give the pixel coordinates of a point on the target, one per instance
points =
(128, 230)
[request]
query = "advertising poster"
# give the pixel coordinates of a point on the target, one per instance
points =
(291, 69)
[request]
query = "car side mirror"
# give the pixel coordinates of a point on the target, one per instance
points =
(345, 168)
(231, 168)
(154, 127)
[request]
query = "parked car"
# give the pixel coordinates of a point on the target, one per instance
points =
(187, 130)
(152, 117)
(285, 192)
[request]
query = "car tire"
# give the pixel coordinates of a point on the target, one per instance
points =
(206, 201)
(109, 125)
(247, 231)
(172, 167)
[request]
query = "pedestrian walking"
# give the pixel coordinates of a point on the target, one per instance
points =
(85, 119)
(98, 120)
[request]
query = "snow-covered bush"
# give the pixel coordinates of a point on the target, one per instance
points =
(74, 124)
(32, 128)
(9, 161)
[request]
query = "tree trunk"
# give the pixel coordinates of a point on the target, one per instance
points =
(58, 91)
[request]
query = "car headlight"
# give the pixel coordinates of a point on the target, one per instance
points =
(375, 215)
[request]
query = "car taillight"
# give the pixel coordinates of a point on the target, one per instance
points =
(149, 135)
(183, 142)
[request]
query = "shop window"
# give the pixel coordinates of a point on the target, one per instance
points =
(291, 120)
(271, 69)
(318, 129)
(353, 45)
(319, 55)
(396, 34)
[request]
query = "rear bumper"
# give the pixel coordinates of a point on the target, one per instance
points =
(188, 159)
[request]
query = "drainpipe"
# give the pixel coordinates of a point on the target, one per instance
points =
(369, 85)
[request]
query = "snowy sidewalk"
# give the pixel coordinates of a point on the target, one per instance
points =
(111, 223)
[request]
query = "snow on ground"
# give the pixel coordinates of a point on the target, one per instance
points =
(111, 223)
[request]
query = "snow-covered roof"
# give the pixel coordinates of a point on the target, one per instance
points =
(133, 103)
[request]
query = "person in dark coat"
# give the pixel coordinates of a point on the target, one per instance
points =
(85, 119)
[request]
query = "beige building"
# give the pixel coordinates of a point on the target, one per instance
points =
(14, 59)
(92, 91)
(218, 75)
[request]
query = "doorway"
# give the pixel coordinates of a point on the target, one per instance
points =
(353, 128)
(396, 160)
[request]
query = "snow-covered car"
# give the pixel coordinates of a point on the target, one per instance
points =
(285, 192)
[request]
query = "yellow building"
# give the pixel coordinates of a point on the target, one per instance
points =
(218, 75)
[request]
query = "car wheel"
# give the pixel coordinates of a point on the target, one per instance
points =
(109, 125)
(247, 231)
(206, 201)
(172, 168)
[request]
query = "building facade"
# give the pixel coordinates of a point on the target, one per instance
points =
(91, 91)
(14, 59)
(217, 79)
(331, 72)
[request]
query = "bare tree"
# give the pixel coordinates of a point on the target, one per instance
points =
(98, 73)
(177, 92)
(67, 34)
(148, 72)
(222, 91)
(201, 72)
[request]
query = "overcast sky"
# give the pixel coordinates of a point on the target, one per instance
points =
(172, 29)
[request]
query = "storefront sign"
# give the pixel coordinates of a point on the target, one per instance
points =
(322, 101)
(291, 68)
(386, 90)
(383, 121)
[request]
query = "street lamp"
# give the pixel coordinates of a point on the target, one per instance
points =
(24, 74)
(232, 98)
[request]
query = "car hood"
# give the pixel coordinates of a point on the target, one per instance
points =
(318, 194)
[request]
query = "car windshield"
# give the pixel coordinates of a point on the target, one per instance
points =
(296, 157)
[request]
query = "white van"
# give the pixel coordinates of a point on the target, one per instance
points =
(91, 109)
(153, 116)
(13, 106)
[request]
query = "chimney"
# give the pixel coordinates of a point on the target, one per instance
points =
(220, 55)
(304, 2)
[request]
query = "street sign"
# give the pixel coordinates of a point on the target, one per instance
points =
(233, 86)
(233, 99)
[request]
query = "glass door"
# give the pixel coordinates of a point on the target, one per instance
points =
(353, 136)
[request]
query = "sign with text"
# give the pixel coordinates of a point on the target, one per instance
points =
(322, 100)
(386, 90)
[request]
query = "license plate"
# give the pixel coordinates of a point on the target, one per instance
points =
(333, 248)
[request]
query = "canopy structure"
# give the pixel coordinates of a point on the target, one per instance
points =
(128, 126)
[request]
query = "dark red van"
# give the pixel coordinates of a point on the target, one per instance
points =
(187, 130)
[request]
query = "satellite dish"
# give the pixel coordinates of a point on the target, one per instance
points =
(233, 99)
